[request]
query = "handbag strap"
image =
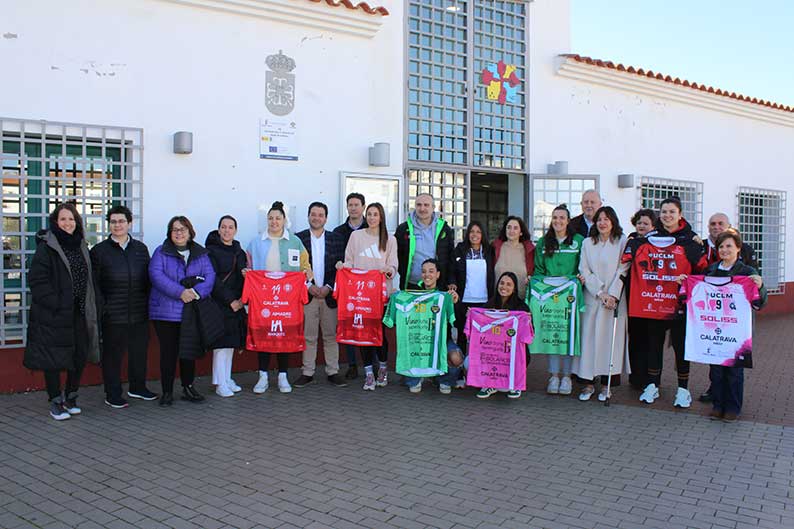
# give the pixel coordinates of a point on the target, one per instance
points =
(234, 264)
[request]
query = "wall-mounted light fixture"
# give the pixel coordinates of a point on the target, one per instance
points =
(379, 155)
(625, 181)
(183, 142)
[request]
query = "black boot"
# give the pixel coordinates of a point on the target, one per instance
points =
(167, 399)
(189, 393)
(352, 372)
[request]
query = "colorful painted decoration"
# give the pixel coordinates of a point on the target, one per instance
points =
(502, 82)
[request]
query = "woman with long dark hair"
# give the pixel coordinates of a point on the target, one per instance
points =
(373, 249)
(514, 252)
(177, 259)
(228, 259)
(504, 298)
(558, 256)
(63, 331)
(472, 260)
(603, 272)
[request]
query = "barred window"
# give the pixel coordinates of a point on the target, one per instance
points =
(762, 223)
(550, 191)
(654, 190)
(450, 192)
(44, 164)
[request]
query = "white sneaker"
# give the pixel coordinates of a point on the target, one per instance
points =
(416, 388)
(445, 389)
(369, 382)
(283, 383)
(460, 384)
(683, 399)
(232, 385)
(586, 393)
(223, 391)
(263, 383)
(566, 387)
(602, 397)
(650, 393)
(554, 386)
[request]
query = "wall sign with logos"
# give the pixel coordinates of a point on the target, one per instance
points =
(277, 132)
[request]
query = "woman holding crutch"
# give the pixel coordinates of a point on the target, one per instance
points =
(602, 271)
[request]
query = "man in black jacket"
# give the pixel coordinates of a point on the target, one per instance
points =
(581, 224)
(425, 235)
(325, 249)
(121, 268)
(354, 221)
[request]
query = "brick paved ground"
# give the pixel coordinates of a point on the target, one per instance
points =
(343, 458)
(340, 457)
(768, 387)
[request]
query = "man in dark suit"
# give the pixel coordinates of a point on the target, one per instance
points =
(325, 249)
(591, 201)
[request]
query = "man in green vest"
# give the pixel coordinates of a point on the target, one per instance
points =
(425, 235)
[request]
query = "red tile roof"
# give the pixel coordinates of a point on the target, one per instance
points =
(676, 81)
(379, 10)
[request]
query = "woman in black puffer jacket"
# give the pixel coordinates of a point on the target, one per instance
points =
(229, 260)
(63, 333)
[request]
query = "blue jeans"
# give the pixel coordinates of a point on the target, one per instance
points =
(727, 388)
(449, 378)
(555, 362)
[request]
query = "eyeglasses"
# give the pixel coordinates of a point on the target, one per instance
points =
(116, 222)
(179, 230)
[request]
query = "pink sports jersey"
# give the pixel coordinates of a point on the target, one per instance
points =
(497, 341)
(719, 322)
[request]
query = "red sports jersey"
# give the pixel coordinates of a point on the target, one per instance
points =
(275, 311)
(361, 295)
(657, 262)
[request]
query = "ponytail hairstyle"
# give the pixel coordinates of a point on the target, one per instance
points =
(550, 243)
(279, 206)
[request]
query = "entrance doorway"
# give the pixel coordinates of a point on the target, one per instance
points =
(489, 201)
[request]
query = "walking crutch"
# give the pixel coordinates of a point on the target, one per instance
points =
(611, 353)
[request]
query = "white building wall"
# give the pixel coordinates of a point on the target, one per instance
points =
(607, 131)
(170, 67)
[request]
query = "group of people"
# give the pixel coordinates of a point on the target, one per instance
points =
(95, 305)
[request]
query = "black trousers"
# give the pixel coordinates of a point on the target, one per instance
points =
(168, 334)
(638, 350)
(281, 358)
(374, 353)
(461, 309)
(118, 339)
(655, 331)
(52, 377)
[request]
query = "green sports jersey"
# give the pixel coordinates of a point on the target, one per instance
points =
(423, 320)
(563, 262)
(556, 304)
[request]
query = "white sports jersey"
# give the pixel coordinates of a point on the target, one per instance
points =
(719, 320)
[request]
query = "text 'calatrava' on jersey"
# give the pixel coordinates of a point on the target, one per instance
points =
(275, 311)
(360, 295)
(719, 320)
(497, 348)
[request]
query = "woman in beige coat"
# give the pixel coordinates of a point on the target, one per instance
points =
(602, 271)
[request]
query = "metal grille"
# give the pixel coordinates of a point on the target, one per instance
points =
(654, 190)
(44, 164)
(437, 81)
(762, 223)
(450, 191)
(499, 34)
(549, 192)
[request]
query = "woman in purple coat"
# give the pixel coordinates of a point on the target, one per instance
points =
(177, 258)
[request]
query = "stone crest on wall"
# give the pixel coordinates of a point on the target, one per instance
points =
(280, 84)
